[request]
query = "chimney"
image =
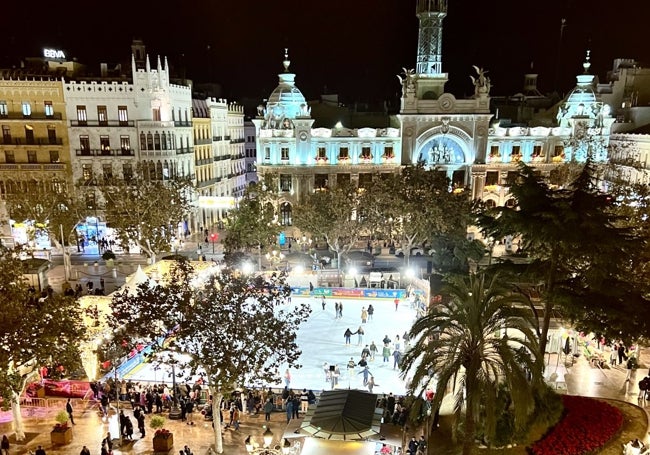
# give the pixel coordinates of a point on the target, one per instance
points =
(103, 69)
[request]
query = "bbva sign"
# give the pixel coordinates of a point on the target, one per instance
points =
(53, 53)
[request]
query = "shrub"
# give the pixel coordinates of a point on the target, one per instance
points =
(62, 417)
(108, 254)
(156, 422)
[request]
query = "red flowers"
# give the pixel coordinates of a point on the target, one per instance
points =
(586, 426)
(162, 433)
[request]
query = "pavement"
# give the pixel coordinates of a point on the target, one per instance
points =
(570, 375)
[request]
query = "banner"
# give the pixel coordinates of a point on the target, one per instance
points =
(65, 389)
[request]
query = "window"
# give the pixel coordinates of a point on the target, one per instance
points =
(512, 177)
(284, 153)
(102, 115)
(558, 150)
(4, 112)
(6, 135)
(122, 115)
(491, 178)
(388, 152)
(458, 179)
(285, 214)
(84, 143)
(494, 151)
(149, 141)
(155, 114)
(105, 145)
(164, 141)
(54, 156)
(9, 157)
(343, 153)
(143, 141)
(127, 171)
(31, 157)
(29, 135)
(365, 180)
(27, 109)
(320, 181)
(49, 109)
(343, 179)
(537, 151)
(87, 172)
(516, 150)
(321, 153)
(90, 201)
(365, 153)
(51, 134)
(285, 182)
(125, 145)
(82, 115)
(156, 141)
(107, 170)
(267, 153)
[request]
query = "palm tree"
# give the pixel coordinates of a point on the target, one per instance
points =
(480, 338)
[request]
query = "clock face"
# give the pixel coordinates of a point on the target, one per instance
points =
(303, 136)
(445, 103)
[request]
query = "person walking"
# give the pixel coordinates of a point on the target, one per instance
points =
(141, 427)
(287, 377)
(268, 408)
(322, 302)
(373, 351)
(4, 445)
(304, 401)
(347, 335)
(364, 315)
(68, 409)
(397, 358)
(40, 451)
(84, 451)
(396, 301)
(340, 310)
(365, 372)
(371, 311)
(371, 383)
(365, 352)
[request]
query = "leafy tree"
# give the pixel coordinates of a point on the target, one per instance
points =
(237, 329)
(254, 223)
(575, 245)
(33, 332)
(52, 209)
(333, 215)
(146, 212)
(459, 343)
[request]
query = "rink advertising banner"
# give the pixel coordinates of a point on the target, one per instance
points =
(66, 389)
(350, 293)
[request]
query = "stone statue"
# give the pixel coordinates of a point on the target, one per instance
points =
(408, 81)
(481, 82)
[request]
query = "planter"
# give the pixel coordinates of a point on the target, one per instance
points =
(40, 392)
(61, 436)
(163, 443)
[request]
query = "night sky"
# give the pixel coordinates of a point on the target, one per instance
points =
(350, 47)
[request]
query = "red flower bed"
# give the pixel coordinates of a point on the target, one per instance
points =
(587, 425)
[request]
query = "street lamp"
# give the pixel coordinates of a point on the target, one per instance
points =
(254, 449)
(274, 257)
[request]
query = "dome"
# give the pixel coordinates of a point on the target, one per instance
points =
(582, 101)
(286, 102)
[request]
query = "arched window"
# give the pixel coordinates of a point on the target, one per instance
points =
(156, 141)
(510, 203)
(285, 214)
(143, 141)
(490, 203)
(164, 141)
(149, 141)
(159, 171)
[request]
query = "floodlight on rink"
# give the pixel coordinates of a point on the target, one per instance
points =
(410, 273)
(299, 269)
(247, 268)
(352, 271)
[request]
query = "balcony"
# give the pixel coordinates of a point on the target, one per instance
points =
(205, 183)
(105, 152)
(109, 123)
(31, 141)
(182, 123)
(203, 162)
(203, 141)
(32, 167)
(184, 150)
(237, 141)
(32, 116)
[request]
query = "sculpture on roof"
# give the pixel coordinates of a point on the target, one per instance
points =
(408, 81)
(481, 82)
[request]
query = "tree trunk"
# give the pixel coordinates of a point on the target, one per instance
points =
(470, 426)
(546, 322)
(17, 416)
(216, 420)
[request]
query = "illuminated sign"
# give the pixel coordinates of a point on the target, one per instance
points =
(214, 202)
(53, 53)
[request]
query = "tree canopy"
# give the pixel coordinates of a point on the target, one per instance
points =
(34, 331)
(237, 329)
(146, 212)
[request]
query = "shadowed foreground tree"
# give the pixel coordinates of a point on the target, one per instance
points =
(33, 332)
(237, 329)
(478, 339)
(579, 253)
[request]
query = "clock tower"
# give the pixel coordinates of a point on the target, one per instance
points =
(439, 130)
